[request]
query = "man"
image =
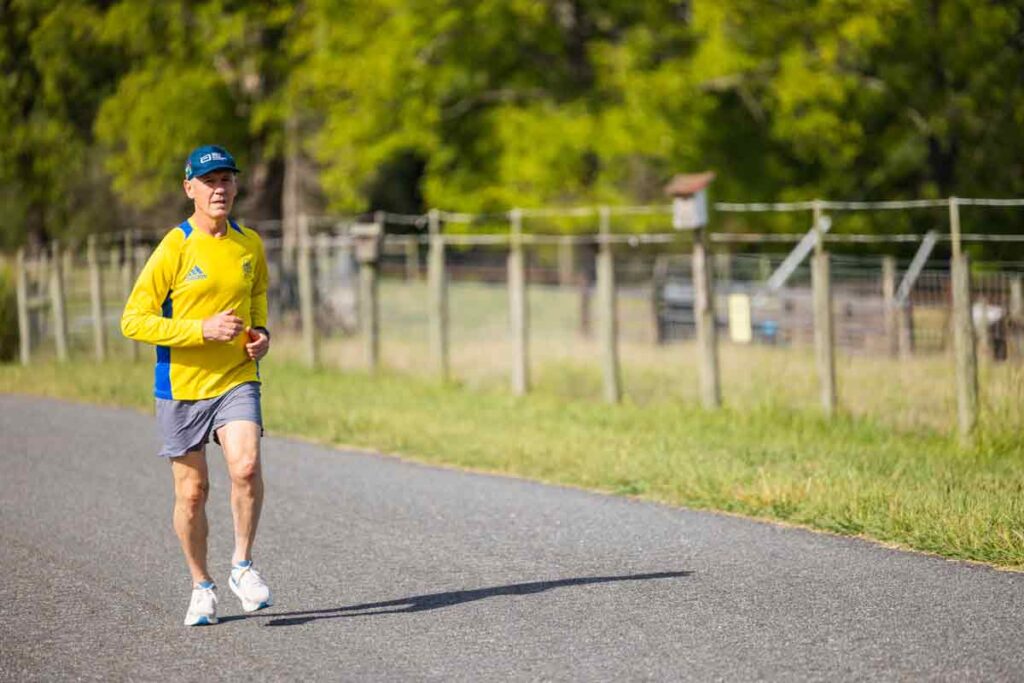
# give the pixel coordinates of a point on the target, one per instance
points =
(202, 300)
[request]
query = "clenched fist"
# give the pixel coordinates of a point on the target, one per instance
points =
(222, 327)
(259, 343)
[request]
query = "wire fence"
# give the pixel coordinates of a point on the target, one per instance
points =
(893, 357)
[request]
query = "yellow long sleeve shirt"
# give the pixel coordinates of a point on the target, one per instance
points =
(192, 276)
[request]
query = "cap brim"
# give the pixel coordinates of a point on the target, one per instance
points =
(198, 173)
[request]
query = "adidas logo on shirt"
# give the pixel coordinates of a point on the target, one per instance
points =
(195, 274)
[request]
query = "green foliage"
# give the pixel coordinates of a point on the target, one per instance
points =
(56, 72)
(480, 105)
(169, 110)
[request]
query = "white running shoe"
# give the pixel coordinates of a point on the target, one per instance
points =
(202, 609)
(250, 587)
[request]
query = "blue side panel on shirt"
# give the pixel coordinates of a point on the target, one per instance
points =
(162, 375)
(235, 226)
(186, 228)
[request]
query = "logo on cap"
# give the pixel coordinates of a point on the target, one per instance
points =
(215, 156)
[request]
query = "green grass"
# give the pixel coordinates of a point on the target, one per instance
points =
(853, 475)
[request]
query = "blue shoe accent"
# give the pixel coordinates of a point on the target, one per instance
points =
(206, 585)
(244, 564)
(263, 605)
(202, 621)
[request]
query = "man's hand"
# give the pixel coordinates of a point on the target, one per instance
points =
(259, 343)
(222, 327)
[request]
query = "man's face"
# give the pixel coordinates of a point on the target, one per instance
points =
(213, 193)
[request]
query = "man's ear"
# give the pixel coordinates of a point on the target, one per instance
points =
(188, 189)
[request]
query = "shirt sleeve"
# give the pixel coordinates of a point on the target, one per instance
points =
(258, 313)
(143, 318)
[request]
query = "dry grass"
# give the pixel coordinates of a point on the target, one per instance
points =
(906, 394)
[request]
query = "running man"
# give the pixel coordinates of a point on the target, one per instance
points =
(202, 300)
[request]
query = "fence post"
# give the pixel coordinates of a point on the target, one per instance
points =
(60, 320)
(606, 301)
(983, 333)
(1016, 316)
(963, 333)
(277, 281)
(824, 335)
(905, 329)
(438, 286)
(764, 268)
(518, 306)
(412, 258)
(24, 329)
(127, 282)
(368, 243)
(306, 294)
(99, 333)
(323, 266)
(890, 311)
(905, 294)
(723, 268)
(704, 317)
(566, 260)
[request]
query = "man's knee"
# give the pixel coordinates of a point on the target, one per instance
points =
(246, 467)
(192, 492)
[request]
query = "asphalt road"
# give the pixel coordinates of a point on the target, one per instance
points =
(386, 570)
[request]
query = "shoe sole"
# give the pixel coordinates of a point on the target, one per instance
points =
(249, 605)
(202, 621)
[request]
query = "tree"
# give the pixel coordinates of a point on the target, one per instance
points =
(58, 72)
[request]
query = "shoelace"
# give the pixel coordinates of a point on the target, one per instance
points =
(248, 574)
(203, 597)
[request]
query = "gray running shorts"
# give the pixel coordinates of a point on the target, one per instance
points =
(186, 425)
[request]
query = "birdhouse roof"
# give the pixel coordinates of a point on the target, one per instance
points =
(689, 183)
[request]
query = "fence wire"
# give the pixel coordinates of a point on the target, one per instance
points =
(894, 366)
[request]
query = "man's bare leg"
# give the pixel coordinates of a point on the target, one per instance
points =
(191, 487)
(241, 444)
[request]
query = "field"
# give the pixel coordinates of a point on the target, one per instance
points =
(913, 395)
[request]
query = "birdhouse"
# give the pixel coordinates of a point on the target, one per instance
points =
(367, 237)
(689, 199)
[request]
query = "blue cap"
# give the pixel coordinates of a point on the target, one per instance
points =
(208, 158)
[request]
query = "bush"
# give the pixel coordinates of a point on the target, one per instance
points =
(8, 316)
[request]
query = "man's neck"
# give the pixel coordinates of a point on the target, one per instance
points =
(208, 224)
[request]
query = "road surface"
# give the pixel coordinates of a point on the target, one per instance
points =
(388, 570)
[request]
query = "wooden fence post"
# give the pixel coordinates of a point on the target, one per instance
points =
(99, 332)
(890, 310)
(984, 347)
(824, 334)
(323, 266)
(566, 260)
(24, 329)
(965, 356)
(1016, 325)
(518, 306)
(127, 282)
(307, 311)
(905, 329)
(609, 317)
(368, 244)
(722, 268)
(412, 258)
(60, 320)
(704, 317)
(438, 285)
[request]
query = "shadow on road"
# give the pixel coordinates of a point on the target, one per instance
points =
(421, 603)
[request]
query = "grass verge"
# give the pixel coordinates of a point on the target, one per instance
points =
(849, 476)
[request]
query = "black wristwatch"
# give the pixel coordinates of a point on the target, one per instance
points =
(264, 331)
